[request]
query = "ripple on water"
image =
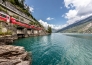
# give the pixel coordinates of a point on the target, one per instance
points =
(58, 49)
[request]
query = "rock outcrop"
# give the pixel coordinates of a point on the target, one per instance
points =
(6, 40)
(14, 55)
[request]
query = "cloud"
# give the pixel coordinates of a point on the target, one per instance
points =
(45, 24)
(31, 9)
(60, 7)
(78, 10)
(49, 18)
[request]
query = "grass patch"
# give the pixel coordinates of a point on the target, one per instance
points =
(6, 33)
(3, 9)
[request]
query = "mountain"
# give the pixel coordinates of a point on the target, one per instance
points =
(82, 26)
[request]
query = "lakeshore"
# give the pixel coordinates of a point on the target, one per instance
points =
(11, 54)
(16, 22)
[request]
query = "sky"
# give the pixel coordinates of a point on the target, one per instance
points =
(59, 13)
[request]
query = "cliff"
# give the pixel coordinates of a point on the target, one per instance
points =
(22, 17)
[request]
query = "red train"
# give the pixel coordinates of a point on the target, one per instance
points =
(6, 18)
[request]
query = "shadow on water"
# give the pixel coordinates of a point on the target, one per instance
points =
(83, 36)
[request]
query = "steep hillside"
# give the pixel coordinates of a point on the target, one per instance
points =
(83, 26)
(18, 10)
(19, 20)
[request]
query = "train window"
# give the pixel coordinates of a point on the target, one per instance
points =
(3, 15)
(7, 17)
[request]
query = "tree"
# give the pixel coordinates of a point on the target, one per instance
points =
(21, 2)
(49, 29)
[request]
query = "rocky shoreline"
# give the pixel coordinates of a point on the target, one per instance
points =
(13, 55)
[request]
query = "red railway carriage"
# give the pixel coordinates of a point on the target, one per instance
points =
(14, 21)
(32, 26)
(39, 28)
(4, 17)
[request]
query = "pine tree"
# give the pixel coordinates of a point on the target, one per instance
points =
(49, 29)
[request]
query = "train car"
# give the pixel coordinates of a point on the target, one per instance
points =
(39, 28)
(16, 22)
(4, 17)
(32, 26)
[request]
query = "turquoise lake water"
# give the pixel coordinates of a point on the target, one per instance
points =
(59, 49)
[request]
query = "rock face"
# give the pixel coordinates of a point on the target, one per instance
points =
(14, 55)
(6, 40)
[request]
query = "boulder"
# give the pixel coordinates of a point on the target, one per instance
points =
(14, 55)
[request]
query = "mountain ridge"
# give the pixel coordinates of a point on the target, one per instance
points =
(76, 24)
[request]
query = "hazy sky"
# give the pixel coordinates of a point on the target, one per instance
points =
(59, 13)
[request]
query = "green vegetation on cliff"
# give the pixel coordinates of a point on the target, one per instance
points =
(8, 32)
(20, 5)
(49, 30)
(3, 9)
